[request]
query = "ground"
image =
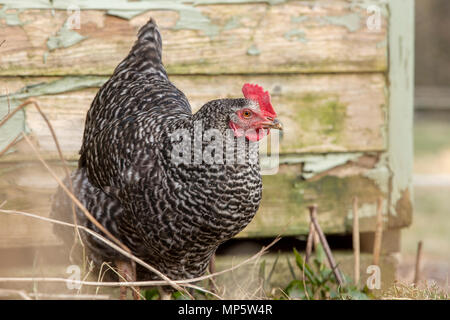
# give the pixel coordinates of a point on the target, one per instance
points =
(431, 220)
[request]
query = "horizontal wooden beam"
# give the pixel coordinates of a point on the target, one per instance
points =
(320, 113)
(251, 37)
(27, 186)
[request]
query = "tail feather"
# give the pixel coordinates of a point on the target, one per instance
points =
(146, 54)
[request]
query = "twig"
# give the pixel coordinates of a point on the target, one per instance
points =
(129, 284)
(70, 193)
(166, 281)
(55, 139)
(309, 242)
(74, 199)
(378, 233)
(417, 270)
(356, 244)
(70, 296)
(323, 240)
(126, 250)
(10, 292)
(304, 280)
(5, 149)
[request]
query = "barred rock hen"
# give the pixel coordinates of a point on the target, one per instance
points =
(144, 171)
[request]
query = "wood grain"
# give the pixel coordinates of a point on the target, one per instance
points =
(290, 37)
(320, 113)
(27, 186)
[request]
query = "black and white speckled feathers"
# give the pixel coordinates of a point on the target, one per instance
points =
(172, 215)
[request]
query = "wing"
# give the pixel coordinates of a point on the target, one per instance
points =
(139, 84)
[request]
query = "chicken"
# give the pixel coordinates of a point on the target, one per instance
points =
(171, 185)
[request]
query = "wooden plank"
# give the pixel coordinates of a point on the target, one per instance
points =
(290, 37)
(320, 113)
(287, 195)
(27, 186)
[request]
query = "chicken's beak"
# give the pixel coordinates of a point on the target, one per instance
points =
(272, 124)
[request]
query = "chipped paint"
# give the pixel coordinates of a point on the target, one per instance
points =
(17, 124)
(193, 19)
(14, 126)
(368, 210)
(350, 21)
(64, 38)
(299, 19)
(365, 4)
(295, 34)
(10, 18)
(65, 84)
(316, 164)
(380, 174)
(190, 17)
(232, 23)
(127, 15)
(253, 50)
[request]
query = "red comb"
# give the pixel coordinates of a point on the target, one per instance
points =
(257, 93)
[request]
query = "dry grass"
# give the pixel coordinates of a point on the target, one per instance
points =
(112, 241)
(408, 291)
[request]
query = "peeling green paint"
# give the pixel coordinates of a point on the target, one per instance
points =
(232, 23)
(65, 84)
(351, 21)
(253, 51)
(380, 174)
(367, 210)
(10, 19)
(64, 38)
(127, 15)
(296, 35)
(17, 124)
(299, 19)
(14, 126)
(315, 164)
(287, 195)
(190, 17)
(365, 4)
(193, 19)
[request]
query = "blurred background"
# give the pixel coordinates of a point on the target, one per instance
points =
(431, 219)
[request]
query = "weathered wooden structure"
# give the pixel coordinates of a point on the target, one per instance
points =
(340, 74)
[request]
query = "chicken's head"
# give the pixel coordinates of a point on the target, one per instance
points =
(256, 117)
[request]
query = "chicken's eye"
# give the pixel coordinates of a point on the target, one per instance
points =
(247, 114)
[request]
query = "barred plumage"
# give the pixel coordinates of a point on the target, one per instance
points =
(172, 215)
